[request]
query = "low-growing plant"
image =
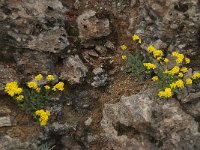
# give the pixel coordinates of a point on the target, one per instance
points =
(169, 70)
(136, 68)
(35, 96)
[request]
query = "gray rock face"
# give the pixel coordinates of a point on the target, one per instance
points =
(37, 25)
(165, 122)
(8, 74)
(33, 62)
(100, 77)
(8, 143)
(177, 19)
(5, 121)
(73, 69)
(91, 27)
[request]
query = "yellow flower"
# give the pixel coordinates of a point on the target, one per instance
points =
(158, 58)
(180, 84)
(196, 75)
(180, 74)
(12, 89)
(44, 116)
(188, 81)
(149, 65)
(151, 48)
(166, 60)
(173, 85)
(38, 90)
(187, 60)
(59, 86)
(47, 87)
(175, 70)
(50, 77)
(155, 78)
(166, 93)
(38, 77)
(157, 53)
(175, 53)
(123, 47)
(32, 85)
(137, 38)
(20, 98)
(179, 60)
(123, 56)
(184, 69)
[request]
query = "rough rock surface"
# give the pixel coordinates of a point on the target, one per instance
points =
(8, 74)
(141, 116)
(37, 25)
(73, 70)
(92, 27)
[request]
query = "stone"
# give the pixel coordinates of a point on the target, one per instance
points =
(100, 77)
(73, 70)
(90, 27)
(8, 74)
(164, 121)
(69, 143)
(172, 18)
(51, 41)
(33, 63)
(8, 143)
(37, 25)
(109, 45)
(5, 121)
(88, 121)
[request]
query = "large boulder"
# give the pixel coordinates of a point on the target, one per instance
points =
(145, 119)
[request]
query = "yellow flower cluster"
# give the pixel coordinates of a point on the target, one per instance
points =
(123, 47)
(38, 77)
(59, 86)
(20, 98)
(177, 84)
(156, 53)
(196, 75)
(173, 71)
(47, 87)
(179, 57)
(137, 38)
(124, 56)
(50, 78)
(32, 85)
(188, 81)
(44, 116)
(187, 60)
(12, 89)
(166, 93)
(155, 78)
(149, 65)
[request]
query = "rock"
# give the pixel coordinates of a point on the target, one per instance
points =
(193, 107)
(8, 143)
(73, 70)
(172, 18)
(8, 74)
(89, 55)
(100, 77)
(109, 45)
(51, 41)
(91, 27)
(33, 62)
(61, 129)
(69, 143)
(36, 25)
(88, 121)
(101, 49)
(164, 121)
(5, 121)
